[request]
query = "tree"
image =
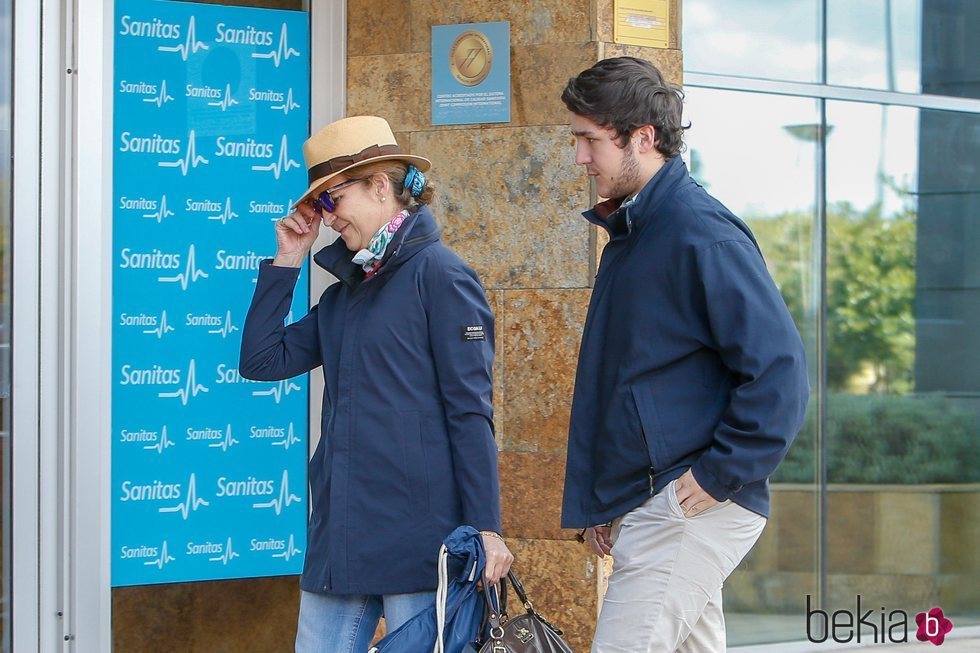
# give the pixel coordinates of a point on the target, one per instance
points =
(870, 290)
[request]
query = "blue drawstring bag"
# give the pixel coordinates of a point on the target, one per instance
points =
(452, 624)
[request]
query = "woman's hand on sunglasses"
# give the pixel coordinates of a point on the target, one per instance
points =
(295, 235)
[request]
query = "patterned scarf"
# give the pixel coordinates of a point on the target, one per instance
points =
(370, 257)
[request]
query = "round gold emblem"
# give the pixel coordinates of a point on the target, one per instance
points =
(470, 58)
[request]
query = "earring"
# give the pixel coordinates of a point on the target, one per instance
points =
(384, 199)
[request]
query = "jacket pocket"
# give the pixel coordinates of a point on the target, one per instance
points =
(416, 464)
(651, 426)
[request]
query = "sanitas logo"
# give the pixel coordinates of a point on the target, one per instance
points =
(247, 261)
(256, 95)
(138, 88)
(153, 260)
(137, 204)
(271, 544)
(249, 149)
(154, 29)
(205, 319)
(208, 92)
(203, 206)
(141, 320)
(229, 374)
(250, 487)
(204, 548)
(154, 491)
(242, 36)
(277, 100)
(138, 552)
(266, 208)
(152, 144)
(138, 436)
(257, 433)
(206, 433)
(155, 375)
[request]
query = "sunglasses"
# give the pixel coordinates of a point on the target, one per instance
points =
(325, 201)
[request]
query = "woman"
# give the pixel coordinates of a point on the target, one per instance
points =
(405, 338)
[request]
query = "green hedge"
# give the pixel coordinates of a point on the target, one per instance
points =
(889, 439)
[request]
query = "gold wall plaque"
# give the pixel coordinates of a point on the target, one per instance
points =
(642, 22)
(470, 58)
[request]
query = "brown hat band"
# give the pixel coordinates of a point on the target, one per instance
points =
(339, 163)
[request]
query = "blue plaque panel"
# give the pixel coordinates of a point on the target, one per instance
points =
(470, 73)
(211, 107)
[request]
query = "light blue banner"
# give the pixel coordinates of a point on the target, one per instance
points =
(471, 73)
(208, 469)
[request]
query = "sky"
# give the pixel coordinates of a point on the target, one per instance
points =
(751, 161)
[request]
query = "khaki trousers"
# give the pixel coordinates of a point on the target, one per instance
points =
(664, 593)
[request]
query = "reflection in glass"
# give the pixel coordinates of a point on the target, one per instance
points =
(903, 359)
(875, 44)
(757, 155)
(753, 38)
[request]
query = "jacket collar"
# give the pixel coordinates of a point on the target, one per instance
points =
(418, 232)
(620, 218)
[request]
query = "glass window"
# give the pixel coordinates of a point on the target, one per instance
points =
(777, 198)
(751, 38)
(875, 44)
(6, 179)
(903, 358)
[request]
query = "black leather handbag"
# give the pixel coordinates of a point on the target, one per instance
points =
(525, 633)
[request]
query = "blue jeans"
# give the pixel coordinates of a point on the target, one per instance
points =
(331, 623)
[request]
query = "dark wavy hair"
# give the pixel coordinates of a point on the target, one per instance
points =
(625, 93)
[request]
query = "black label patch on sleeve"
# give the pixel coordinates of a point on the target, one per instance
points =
(474, 332)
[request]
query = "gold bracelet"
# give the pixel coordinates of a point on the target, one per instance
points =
(492, 534)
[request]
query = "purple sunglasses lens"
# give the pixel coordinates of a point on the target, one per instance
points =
(323, 202)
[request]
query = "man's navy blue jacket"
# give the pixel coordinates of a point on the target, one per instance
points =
(406, 452)
(689, 359)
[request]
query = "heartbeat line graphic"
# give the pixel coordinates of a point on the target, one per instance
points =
(226, 101)
(226, 215)
(283, 164)
(188, 47)
(163, 96)
(163, 328)
(190, 273)
(282, 53)
(226, 328)
(192, 389)
(287, 441)
(227, 556)
(277, 392)
(285, 498)
(162, 213)
(191, 160)
(290, 551)
(191, 504)
(287, 104)
(227, 442)
(164, 558)
(164, 442)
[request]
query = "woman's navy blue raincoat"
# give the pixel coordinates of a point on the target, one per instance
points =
(406, 452)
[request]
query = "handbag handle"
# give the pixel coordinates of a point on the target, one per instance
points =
(521, 594)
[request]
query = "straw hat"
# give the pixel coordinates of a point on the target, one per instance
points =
(349, 143)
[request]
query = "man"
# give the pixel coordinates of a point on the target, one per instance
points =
(691, 381)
